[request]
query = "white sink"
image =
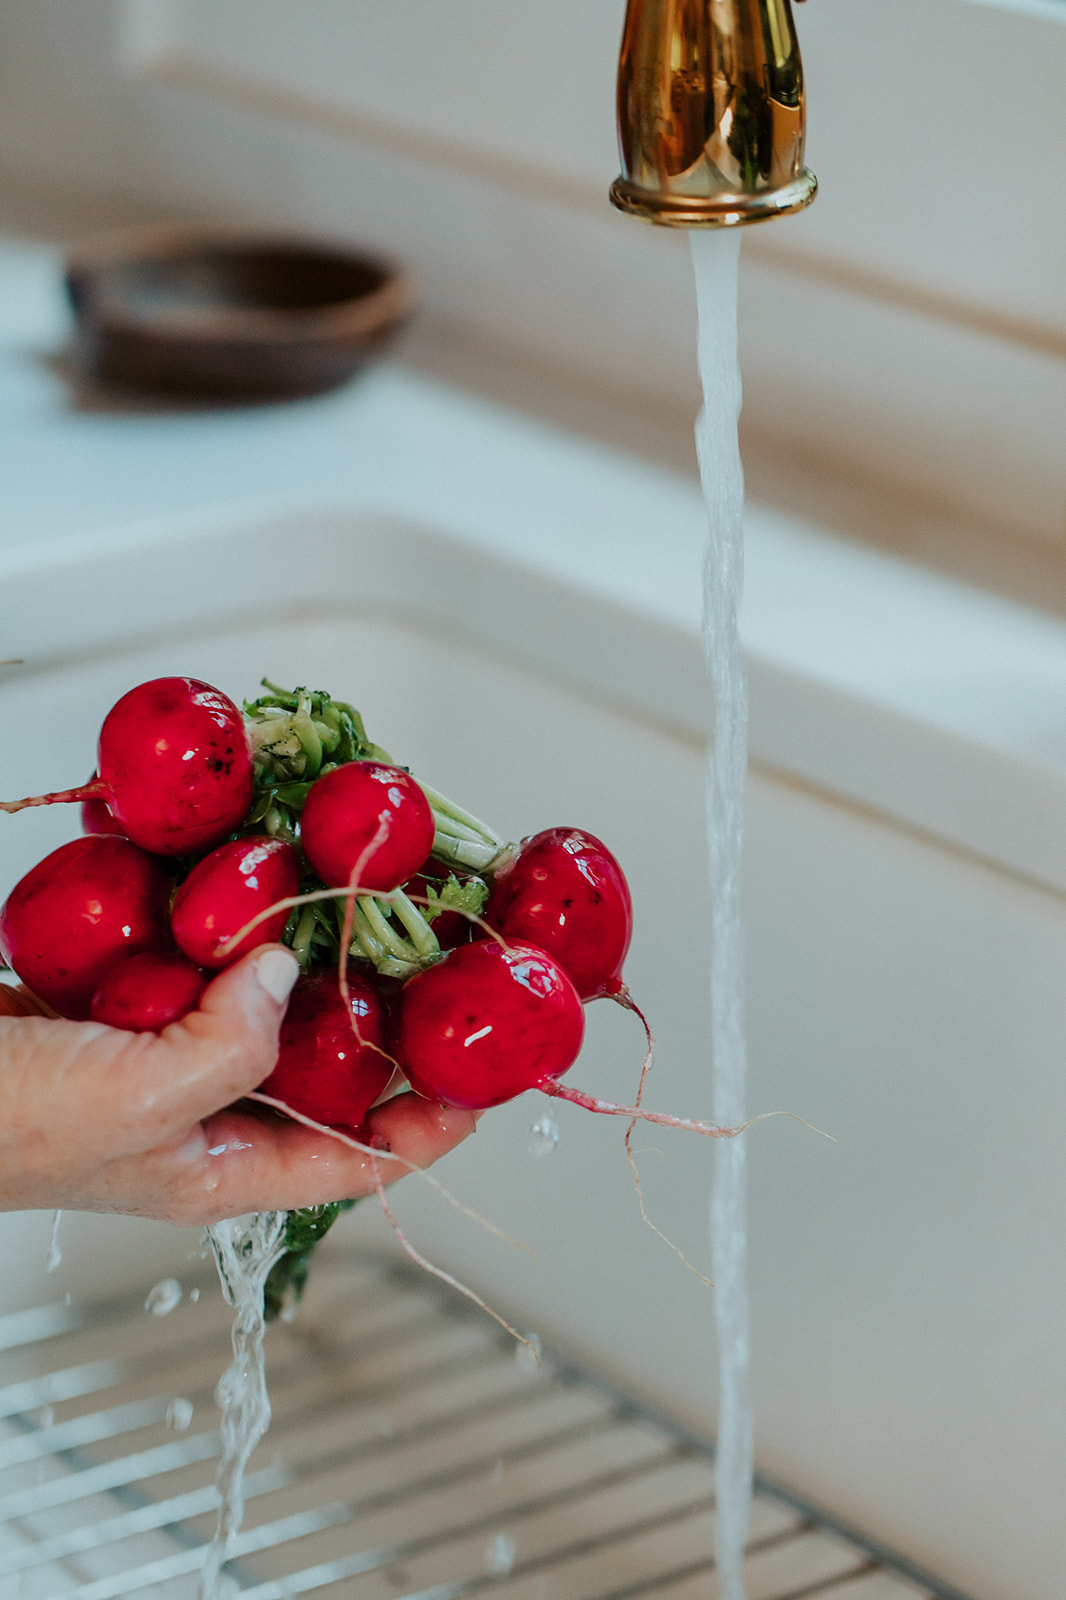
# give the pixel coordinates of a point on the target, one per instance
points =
(905, 995)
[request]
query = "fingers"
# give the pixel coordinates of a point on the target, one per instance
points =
(211, 1057)
(418, 1130)
(149, 1125)
(251, 1160)
(16, 1002)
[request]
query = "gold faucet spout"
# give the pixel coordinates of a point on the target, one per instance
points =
(711, 114)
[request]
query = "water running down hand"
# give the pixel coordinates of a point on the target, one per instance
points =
(97, 1119)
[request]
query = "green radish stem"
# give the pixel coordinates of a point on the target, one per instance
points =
(304, 934)
(297, 735)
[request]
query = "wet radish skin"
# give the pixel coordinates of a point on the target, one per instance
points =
(78, 912)
(225, 890)
(176, 764)
(566, 893)
(487, 1023)
(96, 816)
(324, 1070)
(146, 993)
(343, 813)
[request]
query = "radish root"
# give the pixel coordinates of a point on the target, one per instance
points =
(621, 996)
(611, 1108)
(438, 1272)
(377, 1154)
(346, 940)
(389, 1155)
(86, 791)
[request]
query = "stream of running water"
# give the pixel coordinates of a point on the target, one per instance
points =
(715, 258)
(245, 1249)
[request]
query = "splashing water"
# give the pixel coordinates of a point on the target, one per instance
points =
(715, 259)
(543, 1136)
(245, 1249)
(179, 1414)
(54, 1258)
(163, 1296)
(528, 1355)
(500, 1555)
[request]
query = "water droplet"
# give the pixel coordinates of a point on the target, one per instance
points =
(163, 1297)
(179, 1414)
(194, 1295)
(528, 1354)
(543, 1135)
(229, 1388)
(499, 1555)
(55, 1255)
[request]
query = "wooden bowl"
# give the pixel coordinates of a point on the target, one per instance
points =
(227, 313)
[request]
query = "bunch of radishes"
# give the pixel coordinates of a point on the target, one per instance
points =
(467, 961)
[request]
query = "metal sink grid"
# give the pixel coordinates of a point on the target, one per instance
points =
(415, 1453)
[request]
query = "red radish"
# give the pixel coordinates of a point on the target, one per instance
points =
(327, 1068)
(145, 993)
(490, 1021)
(78, 912)
(486, 1023)
(368, 815)
(226, 890)
(95, 815)
(175, 767)
(566, 893)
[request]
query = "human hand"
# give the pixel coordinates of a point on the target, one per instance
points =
(96, 1119)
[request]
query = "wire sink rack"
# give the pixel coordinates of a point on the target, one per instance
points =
(414, 1454)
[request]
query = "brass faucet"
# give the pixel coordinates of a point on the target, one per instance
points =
(710, 113)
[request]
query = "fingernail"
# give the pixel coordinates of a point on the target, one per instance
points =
(277, 971)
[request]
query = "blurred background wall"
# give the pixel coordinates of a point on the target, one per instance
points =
(904, 341)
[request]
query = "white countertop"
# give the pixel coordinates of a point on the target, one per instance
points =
(936, 704)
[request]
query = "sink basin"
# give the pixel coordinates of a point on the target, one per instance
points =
(904, 977)
(458, 661)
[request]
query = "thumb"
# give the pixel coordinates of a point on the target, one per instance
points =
(257, 987)
(228, 1046)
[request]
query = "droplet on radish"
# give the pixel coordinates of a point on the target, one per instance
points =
(331, 1064)
(486, 1023)
(369, 816)
(175, 763)
(566, 893)
(226, 890)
